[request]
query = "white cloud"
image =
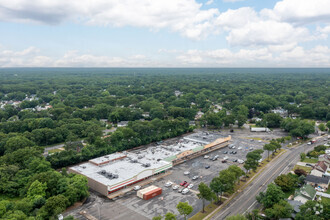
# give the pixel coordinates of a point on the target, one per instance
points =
(184, 16)
(233, 0)
(33, 57)
(302, 11)
(272, 56)
(296, 56)
(209, 2)
(267, 33)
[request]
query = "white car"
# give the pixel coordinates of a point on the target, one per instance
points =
(168, 184)
(239, 148)
(190, 186)
(195, 178)
(175, 187)
(186, 173)
(136, 188)
(185, 191)
(259, 141)
(234, 147)
(206, 156)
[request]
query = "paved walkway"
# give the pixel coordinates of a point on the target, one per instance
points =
(326, 195)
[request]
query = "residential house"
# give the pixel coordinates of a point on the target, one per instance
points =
(325, 158)
(146, 115)
(177, 93)
(199, 115)
(296, 207)
(319, 169)
(255, 129)
(305, 193)
(317, 181)
(122, 124)
(282, 112)
(192, 123)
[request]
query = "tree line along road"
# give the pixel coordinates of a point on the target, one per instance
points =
(246, 201)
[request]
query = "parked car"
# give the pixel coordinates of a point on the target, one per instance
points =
(180, 190)
(168, 184)
(206, 156)
(175, 187)
(225, 158)
(259, 141)
(234, 147)
(239, 148)
(136, 188)
(186, 173)
(195, 178)
(224, 161)
(235, 160)
(183, 183)
(186, 185)
(234, 152)
(225, 152)
(240, 161)
(190, 186)
(185, 191)
(207, 166)
(309, 165)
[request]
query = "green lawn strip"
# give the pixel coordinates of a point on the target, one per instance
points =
(208, 209)
(254, 138)
(307, 169)
(308, 160)
(288, 194)
(54, 150)
(328, 191)
(324, 199)
(243, 184)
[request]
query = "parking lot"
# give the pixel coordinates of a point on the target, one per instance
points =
(168, 200)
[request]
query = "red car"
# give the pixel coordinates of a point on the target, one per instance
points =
(186, 185)
(183, 183)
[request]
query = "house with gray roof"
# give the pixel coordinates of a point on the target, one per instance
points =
(318, 181)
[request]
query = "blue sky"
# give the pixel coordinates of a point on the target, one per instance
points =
(164, 33)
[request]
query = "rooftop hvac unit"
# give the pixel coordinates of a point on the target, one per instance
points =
(115, 176)
(106, 156)
(103, 172)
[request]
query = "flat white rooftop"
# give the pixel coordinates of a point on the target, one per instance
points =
(137, 161)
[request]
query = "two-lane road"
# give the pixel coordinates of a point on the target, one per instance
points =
(246, 200)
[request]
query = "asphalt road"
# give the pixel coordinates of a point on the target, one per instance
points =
(246, 200)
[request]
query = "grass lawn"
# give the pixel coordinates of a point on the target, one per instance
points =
(327, 200)
(288, 194)
(313, 160)
(307, 169)
(254, 138)
(55, 150)
(328, 191)
(208, 209)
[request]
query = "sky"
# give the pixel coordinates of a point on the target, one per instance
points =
(164, 33)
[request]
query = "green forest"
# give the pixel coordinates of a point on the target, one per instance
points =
(44, 107)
